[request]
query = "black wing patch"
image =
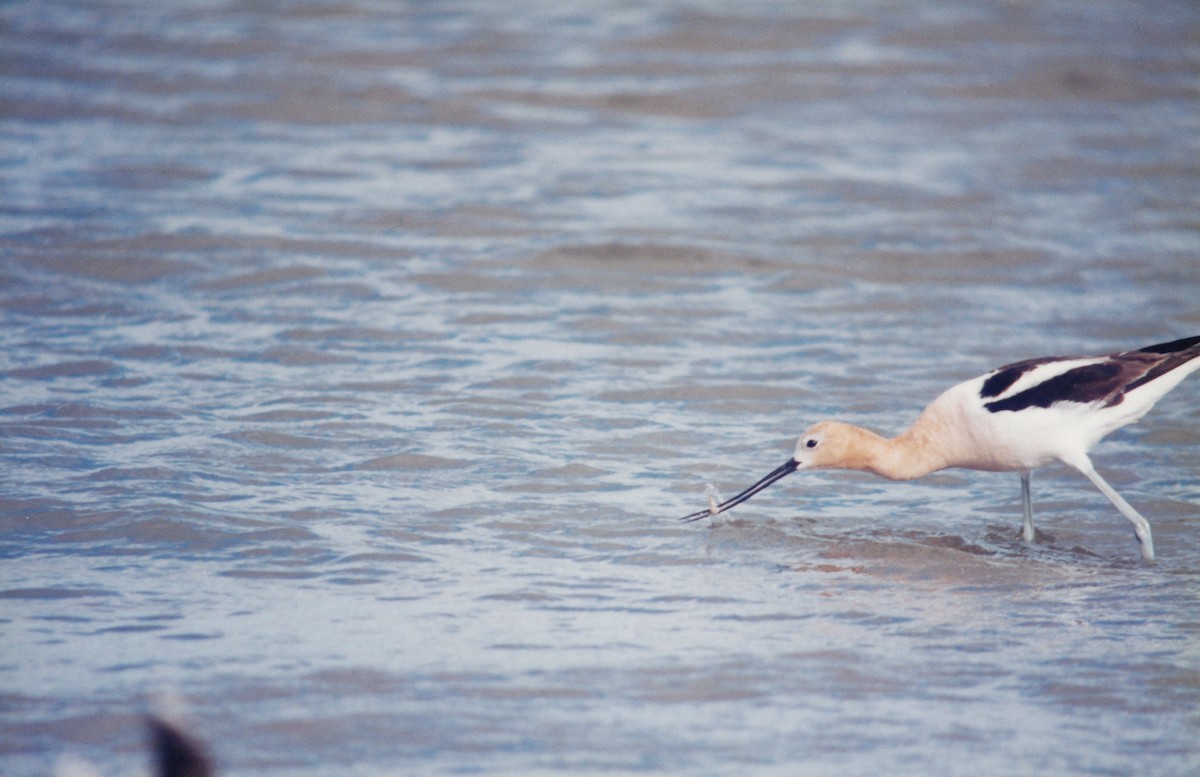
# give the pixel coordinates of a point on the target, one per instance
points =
(1009, 374)
(1085, 385)
(1106, 381)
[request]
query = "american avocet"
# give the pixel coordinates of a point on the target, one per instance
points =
(1015, 418)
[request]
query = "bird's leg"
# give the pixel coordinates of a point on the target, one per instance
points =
(1141, 527)
(1027, 504)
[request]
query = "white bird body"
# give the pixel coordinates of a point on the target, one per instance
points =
(1016, 418)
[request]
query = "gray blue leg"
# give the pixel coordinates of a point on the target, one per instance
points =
(1027, 503)
(1141, 527)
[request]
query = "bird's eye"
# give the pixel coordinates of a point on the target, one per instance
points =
(810, 444)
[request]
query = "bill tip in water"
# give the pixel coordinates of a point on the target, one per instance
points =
(711, 493)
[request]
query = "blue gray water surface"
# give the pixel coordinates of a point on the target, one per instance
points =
(358, 357)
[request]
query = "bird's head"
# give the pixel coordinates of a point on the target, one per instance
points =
(825, 445)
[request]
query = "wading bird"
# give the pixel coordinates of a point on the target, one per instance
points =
(1015, 418)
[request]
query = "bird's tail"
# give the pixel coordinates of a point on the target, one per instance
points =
(1174, 362)
(1185, 345)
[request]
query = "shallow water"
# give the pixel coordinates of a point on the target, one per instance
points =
(358, 359)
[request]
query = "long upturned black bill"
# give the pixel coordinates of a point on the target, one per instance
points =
(776, 474)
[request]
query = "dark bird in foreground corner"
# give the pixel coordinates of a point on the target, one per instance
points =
(1015, 418)
(177, 753)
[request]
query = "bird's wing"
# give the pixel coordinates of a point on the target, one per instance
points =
(1087, 381)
